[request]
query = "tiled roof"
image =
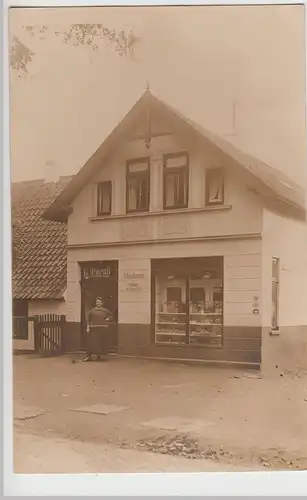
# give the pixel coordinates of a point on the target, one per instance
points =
(40, 270)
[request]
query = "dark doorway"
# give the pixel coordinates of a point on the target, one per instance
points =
(100, 279)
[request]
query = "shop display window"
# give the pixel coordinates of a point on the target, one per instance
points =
(189, 303)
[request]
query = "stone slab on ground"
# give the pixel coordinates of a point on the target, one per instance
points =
(100, 409)
(27, 412)
(177, 424)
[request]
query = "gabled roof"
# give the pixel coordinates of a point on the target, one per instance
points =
(287, 196)
(40, 271)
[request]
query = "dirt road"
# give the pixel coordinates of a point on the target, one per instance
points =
(41, 455)
(236, 420)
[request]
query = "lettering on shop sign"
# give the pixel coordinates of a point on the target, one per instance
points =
(133, 286)
(96, 272)
(133, 275)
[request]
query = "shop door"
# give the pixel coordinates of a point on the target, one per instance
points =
(106, 288)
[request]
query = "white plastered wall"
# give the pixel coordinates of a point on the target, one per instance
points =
(242, 277)
(243, 217)
(285, 239)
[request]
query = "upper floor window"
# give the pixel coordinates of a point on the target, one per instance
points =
(214, 186)
(176, 181)
(137, 185)
(104, 198)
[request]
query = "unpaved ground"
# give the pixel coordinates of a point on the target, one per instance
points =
(233, 421)
(42, 455)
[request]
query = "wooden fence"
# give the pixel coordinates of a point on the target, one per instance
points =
(49, 334)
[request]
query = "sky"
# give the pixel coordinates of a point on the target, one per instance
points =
(201, 60)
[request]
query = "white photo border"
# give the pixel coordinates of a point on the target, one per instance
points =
(198, 484)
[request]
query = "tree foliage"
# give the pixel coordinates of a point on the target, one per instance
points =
(89, 34)
(76, 35)
(20, 55)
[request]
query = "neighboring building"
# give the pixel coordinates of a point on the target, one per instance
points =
(199, 250)
(39, 258)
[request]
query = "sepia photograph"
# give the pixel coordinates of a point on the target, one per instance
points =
(159, 238)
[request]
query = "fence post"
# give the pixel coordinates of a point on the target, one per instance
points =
(36, 333)
(63, 332)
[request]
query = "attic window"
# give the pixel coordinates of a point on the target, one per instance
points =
(214, 186)
(104, 198)
(137, 185)
(176, 181)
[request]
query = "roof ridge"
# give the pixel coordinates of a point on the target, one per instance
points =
(40, 181)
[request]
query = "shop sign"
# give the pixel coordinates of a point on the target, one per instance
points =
(135, 281)
(96, 271)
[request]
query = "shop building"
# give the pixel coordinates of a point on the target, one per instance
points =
(195, 246)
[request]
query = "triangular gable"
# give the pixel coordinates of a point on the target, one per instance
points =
(269, 182)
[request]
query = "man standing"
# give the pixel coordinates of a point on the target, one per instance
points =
(97, 330)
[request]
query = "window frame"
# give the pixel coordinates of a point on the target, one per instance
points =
(101, 184)
(183, 270)
(276, 283)
(208, 176)
(142, 175)
(184, 170)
